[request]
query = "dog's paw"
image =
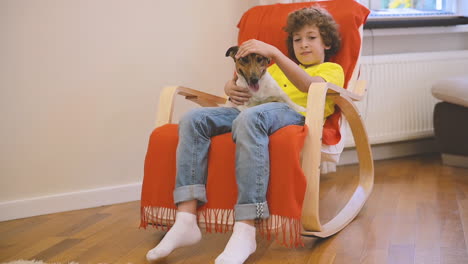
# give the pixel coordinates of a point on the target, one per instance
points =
(300, 109)
(241, 107)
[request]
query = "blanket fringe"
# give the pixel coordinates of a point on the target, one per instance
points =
(161, 218)
(219, 220)
(284, 230)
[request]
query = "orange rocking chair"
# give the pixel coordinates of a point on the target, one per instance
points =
(296, 152)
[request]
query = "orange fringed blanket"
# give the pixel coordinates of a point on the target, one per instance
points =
(285, 191)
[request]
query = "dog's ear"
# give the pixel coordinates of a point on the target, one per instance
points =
(268, 60)
(232, 51)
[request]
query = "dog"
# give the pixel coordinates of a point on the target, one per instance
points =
(252, 73)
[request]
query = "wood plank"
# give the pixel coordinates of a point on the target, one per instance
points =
(34, 249)
(374, 256)
(98, 236)
(453, 255)
(427, 242)
(463, 207)
(401, 254)
(57, 248)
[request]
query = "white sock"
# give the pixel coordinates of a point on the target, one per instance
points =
(240, 246)
(184, 232)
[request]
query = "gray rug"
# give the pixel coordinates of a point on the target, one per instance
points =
(32, 262)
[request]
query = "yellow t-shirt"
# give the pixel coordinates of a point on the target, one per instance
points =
(329, 71)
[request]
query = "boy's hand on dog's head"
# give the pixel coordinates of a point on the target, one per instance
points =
(258, 47)
(237, 95)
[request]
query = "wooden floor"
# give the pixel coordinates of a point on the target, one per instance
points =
(417, 213)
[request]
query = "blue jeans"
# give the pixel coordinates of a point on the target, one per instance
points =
(251, 129)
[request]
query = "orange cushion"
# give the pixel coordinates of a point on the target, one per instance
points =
(266, 23)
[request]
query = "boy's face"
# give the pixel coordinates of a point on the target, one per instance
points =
(308, 46)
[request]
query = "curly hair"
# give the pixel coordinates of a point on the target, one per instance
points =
(313, 16)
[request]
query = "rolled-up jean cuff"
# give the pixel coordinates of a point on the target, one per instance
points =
(252, 211)
(189, 193)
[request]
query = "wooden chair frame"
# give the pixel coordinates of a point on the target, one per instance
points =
(311, 155)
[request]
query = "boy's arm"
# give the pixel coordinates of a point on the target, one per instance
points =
(293, 72)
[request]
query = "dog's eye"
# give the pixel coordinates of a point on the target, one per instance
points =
(244, 60)
(260, 59)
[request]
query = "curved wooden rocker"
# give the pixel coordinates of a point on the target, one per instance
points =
(311, 159)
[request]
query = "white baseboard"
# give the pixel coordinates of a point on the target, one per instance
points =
(16, 209)
(392, 150)
(455, 160)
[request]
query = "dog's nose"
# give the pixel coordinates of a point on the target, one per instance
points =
(254, 80)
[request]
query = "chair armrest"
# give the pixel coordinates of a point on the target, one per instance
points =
(356, 95)
(199, 97)
(167, 96)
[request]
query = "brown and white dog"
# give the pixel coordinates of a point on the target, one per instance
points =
(252, 73)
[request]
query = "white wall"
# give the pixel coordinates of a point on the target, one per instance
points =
(79, 83)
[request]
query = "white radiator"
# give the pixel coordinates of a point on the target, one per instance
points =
(399, 103)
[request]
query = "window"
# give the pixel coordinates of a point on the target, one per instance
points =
(415, 13)
(412, 5)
